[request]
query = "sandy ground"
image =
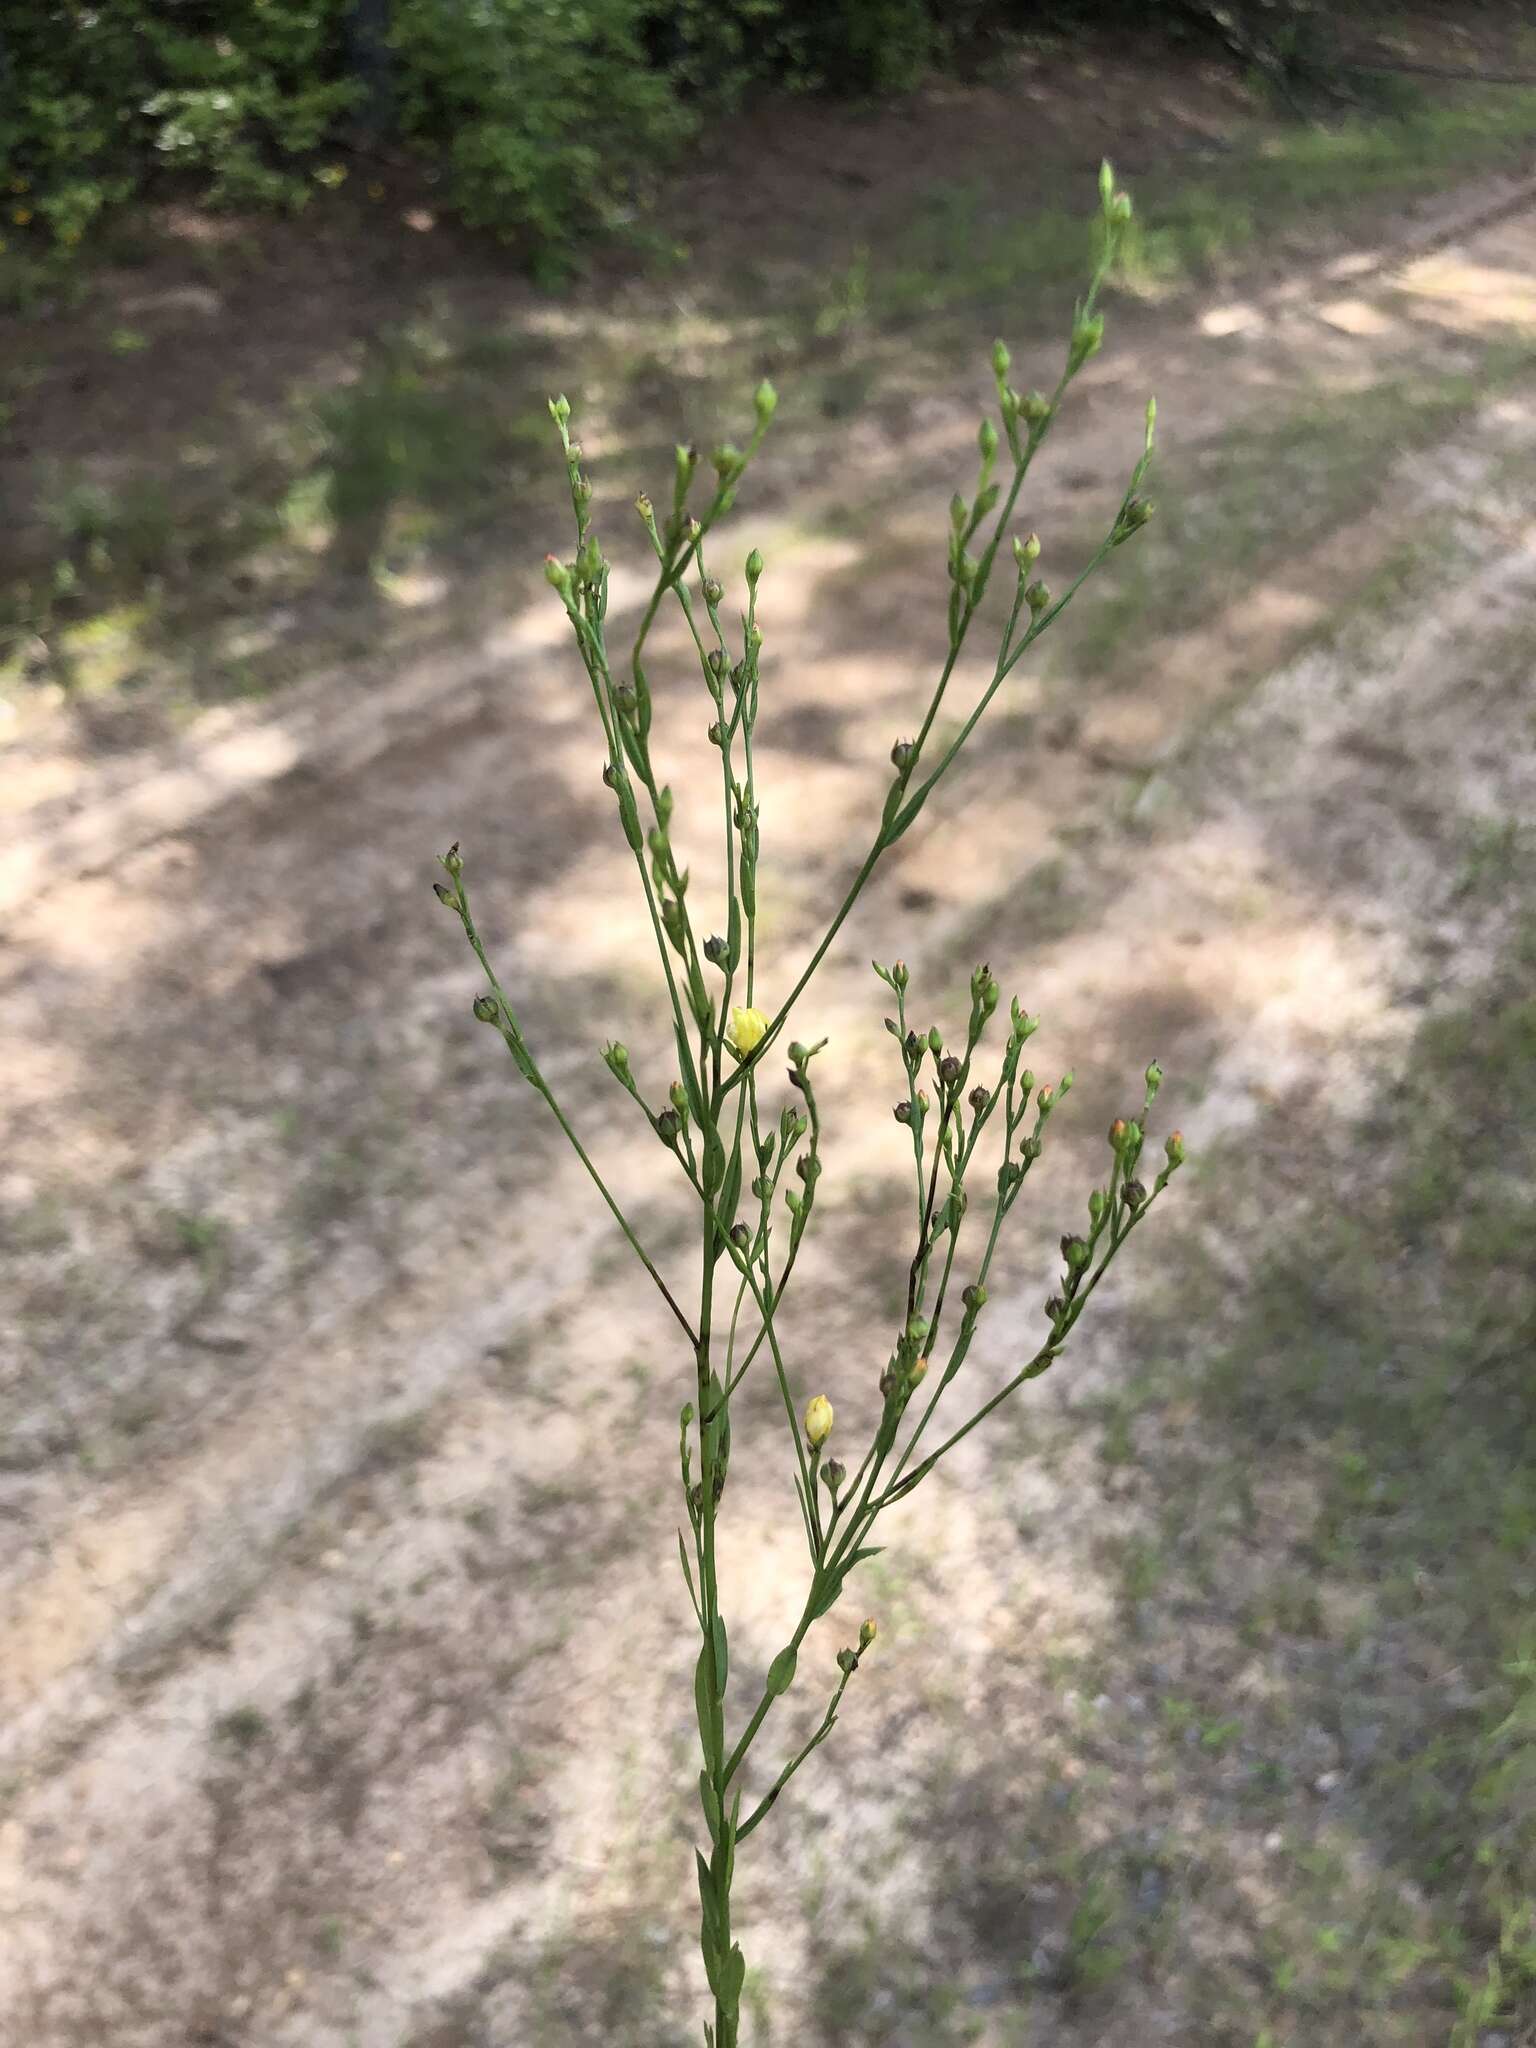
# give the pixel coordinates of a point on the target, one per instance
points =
(345, 1697)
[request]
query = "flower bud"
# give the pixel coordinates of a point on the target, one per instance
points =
(741, 1237)
(818, 1421)
(444, 894)
(899, 974)
(560, 409)
(1076, 1253)
(935, 1039)
(1119, 1131)
(765, 402)
(1035, 407)
(645, 508)
(754, 567)
(746, 1031)
(487, 1009)
(716, 734)
(1106, 181)
(1047, 1097)
(986, 441)
(1087, 338)
(867, 1634)
(919, 1371)
(974, 1299)
(1137, 512)
(847, 1662)
(1002, 361)
(713, 591)
(832, 1476)
(1120, 208)
(617, 1058)
(557, 575)
(958, 512)
(453, 861)
(716, 950)
(1037, 597)
(1026, 552)
(1173, 1145)
(901, 754)
(1054, 1307)
(1154, 1079)
(677, 1095)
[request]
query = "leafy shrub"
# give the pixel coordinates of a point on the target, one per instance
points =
(544, 112)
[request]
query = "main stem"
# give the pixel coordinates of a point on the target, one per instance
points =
(714, 1750)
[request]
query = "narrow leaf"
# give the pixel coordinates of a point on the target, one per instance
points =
(781, 1672)
(722, 1655)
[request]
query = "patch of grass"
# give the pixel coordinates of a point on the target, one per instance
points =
(1226, 510)
(1379, 1378)
(967, 244)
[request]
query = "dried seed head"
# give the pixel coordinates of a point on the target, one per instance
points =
(741, 1237)
(832, 1476)
(1037, 597)
(713, 591)
(716, 951)
(978, 1099)
(1133, 1194)
(901, 754)
(949, 1070)
(903, 1112)
(487, 1009)
(668, 1124)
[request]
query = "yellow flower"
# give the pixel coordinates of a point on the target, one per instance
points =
(21, 215)
(746, 1032)
(818, 1421)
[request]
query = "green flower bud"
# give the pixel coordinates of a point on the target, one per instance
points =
(959, 512)
(560, 409)
(1120, 209)
(1037, 597)
(974, 1299)
(848, 1662)
(1154, 1079)
(986, 441)
(754, 567)
(899, 974)
(444, 894)
(765, 402)
(1076, 1253)
(1035, 407)
(901, 754)
(1002, 361)
(832, 1476)
(1106, 182)
(677, 1095)
(1173, 1145)
(713, 592)
(867, 1634)
(487, 1009)
(1087, 339)
(716, 951)
(1026, 552)
(741, 1237)
(617, 1058)
(557, 575)
(453, 861)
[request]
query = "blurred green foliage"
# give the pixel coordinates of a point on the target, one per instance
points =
(546, 120)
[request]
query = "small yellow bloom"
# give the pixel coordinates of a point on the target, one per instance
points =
(21, 215)
(746, 1032)
(818, 1421)
(867, 1634)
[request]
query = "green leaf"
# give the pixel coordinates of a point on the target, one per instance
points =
(833, 1589)
(710, 1802)
(730, 1194)
(704, 1702)
(781, 1672)
(707, 1898)
(733, 1975)
(687, 1571)
(722, 1654)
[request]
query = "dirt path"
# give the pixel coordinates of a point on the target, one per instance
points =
(341, 1665)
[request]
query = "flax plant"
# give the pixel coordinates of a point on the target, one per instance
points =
(755, 1174)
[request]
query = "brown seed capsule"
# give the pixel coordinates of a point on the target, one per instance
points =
(1133, 1194)
(949, 1070)
(978, 1099)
